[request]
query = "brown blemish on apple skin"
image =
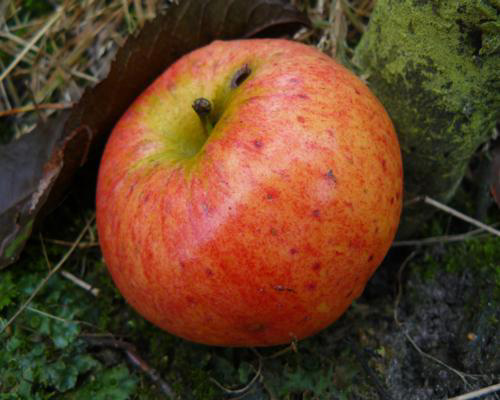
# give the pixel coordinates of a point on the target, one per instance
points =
(311, 286)
(274, 232)
(281, 288)
(258, 143)
(271, 194)
(316, 213)
(255, 328)
(301, 119)
(240, 76)
(348, 204)
(330, 176)
(205, 208)
(370, 258)
(303, 96)
(316, 267)
(209, 272)
(293, 251)
(384, 164)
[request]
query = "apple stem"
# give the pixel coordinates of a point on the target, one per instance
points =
(203, 108)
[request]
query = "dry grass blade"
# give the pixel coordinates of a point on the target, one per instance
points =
(474, 234)
(476, 394)
(133, 357)
(460, 215)
(54, 55)
(33, 107)
(243, 390)
(79, 282)
(49, 275)
(31, 43)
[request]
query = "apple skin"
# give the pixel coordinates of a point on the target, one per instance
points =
(265, 231)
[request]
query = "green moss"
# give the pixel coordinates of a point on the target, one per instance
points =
(434, 65)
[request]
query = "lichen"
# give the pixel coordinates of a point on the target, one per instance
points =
(434, 65)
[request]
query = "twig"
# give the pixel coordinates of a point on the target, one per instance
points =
(81, 245)
(460, 215)
(243, 389)
(443, 207)
(293, 346)
(400, 287)
(78, 282)
(478, 393)
(49, 275)
(134, 358)
(33, 107)
(60, 319)
(31, 43)
(440, 239)
(44, 251)
(18, 40)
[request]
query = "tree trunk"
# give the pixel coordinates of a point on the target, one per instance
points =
(435, 65)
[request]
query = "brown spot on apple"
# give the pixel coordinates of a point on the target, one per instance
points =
(311, 286)
(240, 76)
(271, 194)
(303, 96)
(316, 213)
(258, 143)
(316, 266)
(205, 208)
(274, 232)
(293, 251)
(209, 272)
(348, 204)
(384, 164)
(370, 258)
(281, 288)
(255, 327)
(331, 176)
(301, 119)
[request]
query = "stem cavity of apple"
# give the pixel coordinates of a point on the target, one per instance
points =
(203, 108)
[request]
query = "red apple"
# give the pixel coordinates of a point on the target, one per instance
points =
(259, 218)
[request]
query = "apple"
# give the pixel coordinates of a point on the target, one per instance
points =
(249, 193)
